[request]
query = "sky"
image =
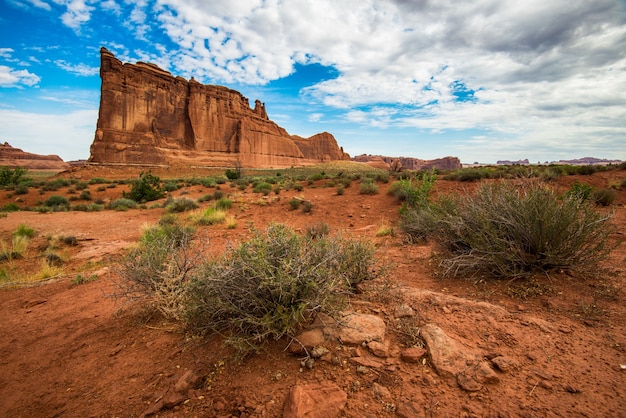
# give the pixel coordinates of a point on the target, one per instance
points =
(482, 80)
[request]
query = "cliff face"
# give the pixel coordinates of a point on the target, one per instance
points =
(148, 116)
(407, 163)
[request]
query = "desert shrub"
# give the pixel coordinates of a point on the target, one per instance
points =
(382, 177)
(318, 230)
(218, 194)
(98, 180)
(145, 189)
(10, 207)
(85, 195)
(581, 191)
(81, 185)
(270, 286)
(367, 186)
(295, 203)
(101, 188)
(603, 197)
(19, 245)
(224, 204)
(24, 231)
(307, 206)
(205, 198)
(180, 205)
(9, 176)
(209, 216)
(414, 192)
(57, 203)
(233, 174)
(221, 180)
(263, 187)
(170, 186)
(515, 232)
(340, 190)
(158, 269)
(231, 222)
(123, 204)
(21, 189)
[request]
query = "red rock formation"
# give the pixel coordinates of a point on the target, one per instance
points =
(15, 157)
(406, 163)
(148, 116)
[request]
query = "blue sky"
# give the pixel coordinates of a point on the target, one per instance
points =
(483, 80)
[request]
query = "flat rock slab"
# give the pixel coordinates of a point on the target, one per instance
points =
(322, 400)
(358, 328)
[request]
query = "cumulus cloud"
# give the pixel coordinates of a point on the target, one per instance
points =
(17, 78)
(77, 13)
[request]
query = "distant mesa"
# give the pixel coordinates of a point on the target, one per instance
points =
(15, 157)
(147, 116)
(577, 161)
(407, 163)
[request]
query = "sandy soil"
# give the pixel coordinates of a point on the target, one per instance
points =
(75, 350)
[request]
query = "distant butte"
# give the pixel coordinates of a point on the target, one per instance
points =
(15, 157)
(148, 116)
(408, 163)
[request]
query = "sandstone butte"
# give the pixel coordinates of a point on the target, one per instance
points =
(15, 157)
(149, 117)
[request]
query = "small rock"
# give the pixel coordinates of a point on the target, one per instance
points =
(172, 399)
(403, 311)
(320, 400)
(154, 409)
(357, 328)
(504, 364)
(413, 354)
(187, 381)
(309, 339)
(379, 349)
(319, 351)
(468, 383)
(381, 392)
(409, 409)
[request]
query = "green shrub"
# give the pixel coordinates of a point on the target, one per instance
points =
(218, 194)
(21, 189)
(123, 204)
(170, 186)
(10, 207)
(307, 206)
(9, 176)
(24, 230)
(367, 186)
(233, 174)
(295, 203)
(272, 285)
(414, 192)
(85, 195)
(224, 204)
(145, 189)
(159, 268)
(581, 191)
(180, 205)
(57, 203)
(603, 197)
(318, 230)
(209, 216)
(340, 190)
(515, 232)
(263, 187)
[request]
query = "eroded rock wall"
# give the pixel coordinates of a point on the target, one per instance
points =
(148, 116)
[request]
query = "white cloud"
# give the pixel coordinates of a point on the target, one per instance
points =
(77, 13)
(68, 135)
(40, 4)
(78, 69)
(16, 78)
(6, 52)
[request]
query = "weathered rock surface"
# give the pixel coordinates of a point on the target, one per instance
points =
(407, 163)
(15, 157)
(148, 116)
(323, 400)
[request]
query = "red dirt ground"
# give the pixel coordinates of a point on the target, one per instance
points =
(74, 350)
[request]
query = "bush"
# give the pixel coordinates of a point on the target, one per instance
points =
(57, 203)
(209, 216)
(122, 204)
(367, 186)
(414, 192)
(10, 176)
(224, 204)
(180, 205)
(24, 230)
(10, 207)
(603, 197)
(581, 191)
(145, 189)
(509, 232)
(159, 268)
(263, 187)
(271, 286)
(295, 203)
(233, 174)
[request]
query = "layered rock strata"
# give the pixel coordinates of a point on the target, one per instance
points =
(15, 157)
(408, 163)
(148, 116)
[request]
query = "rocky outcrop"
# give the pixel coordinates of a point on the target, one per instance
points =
(148, 116)
(15, 157)
(408, 163)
